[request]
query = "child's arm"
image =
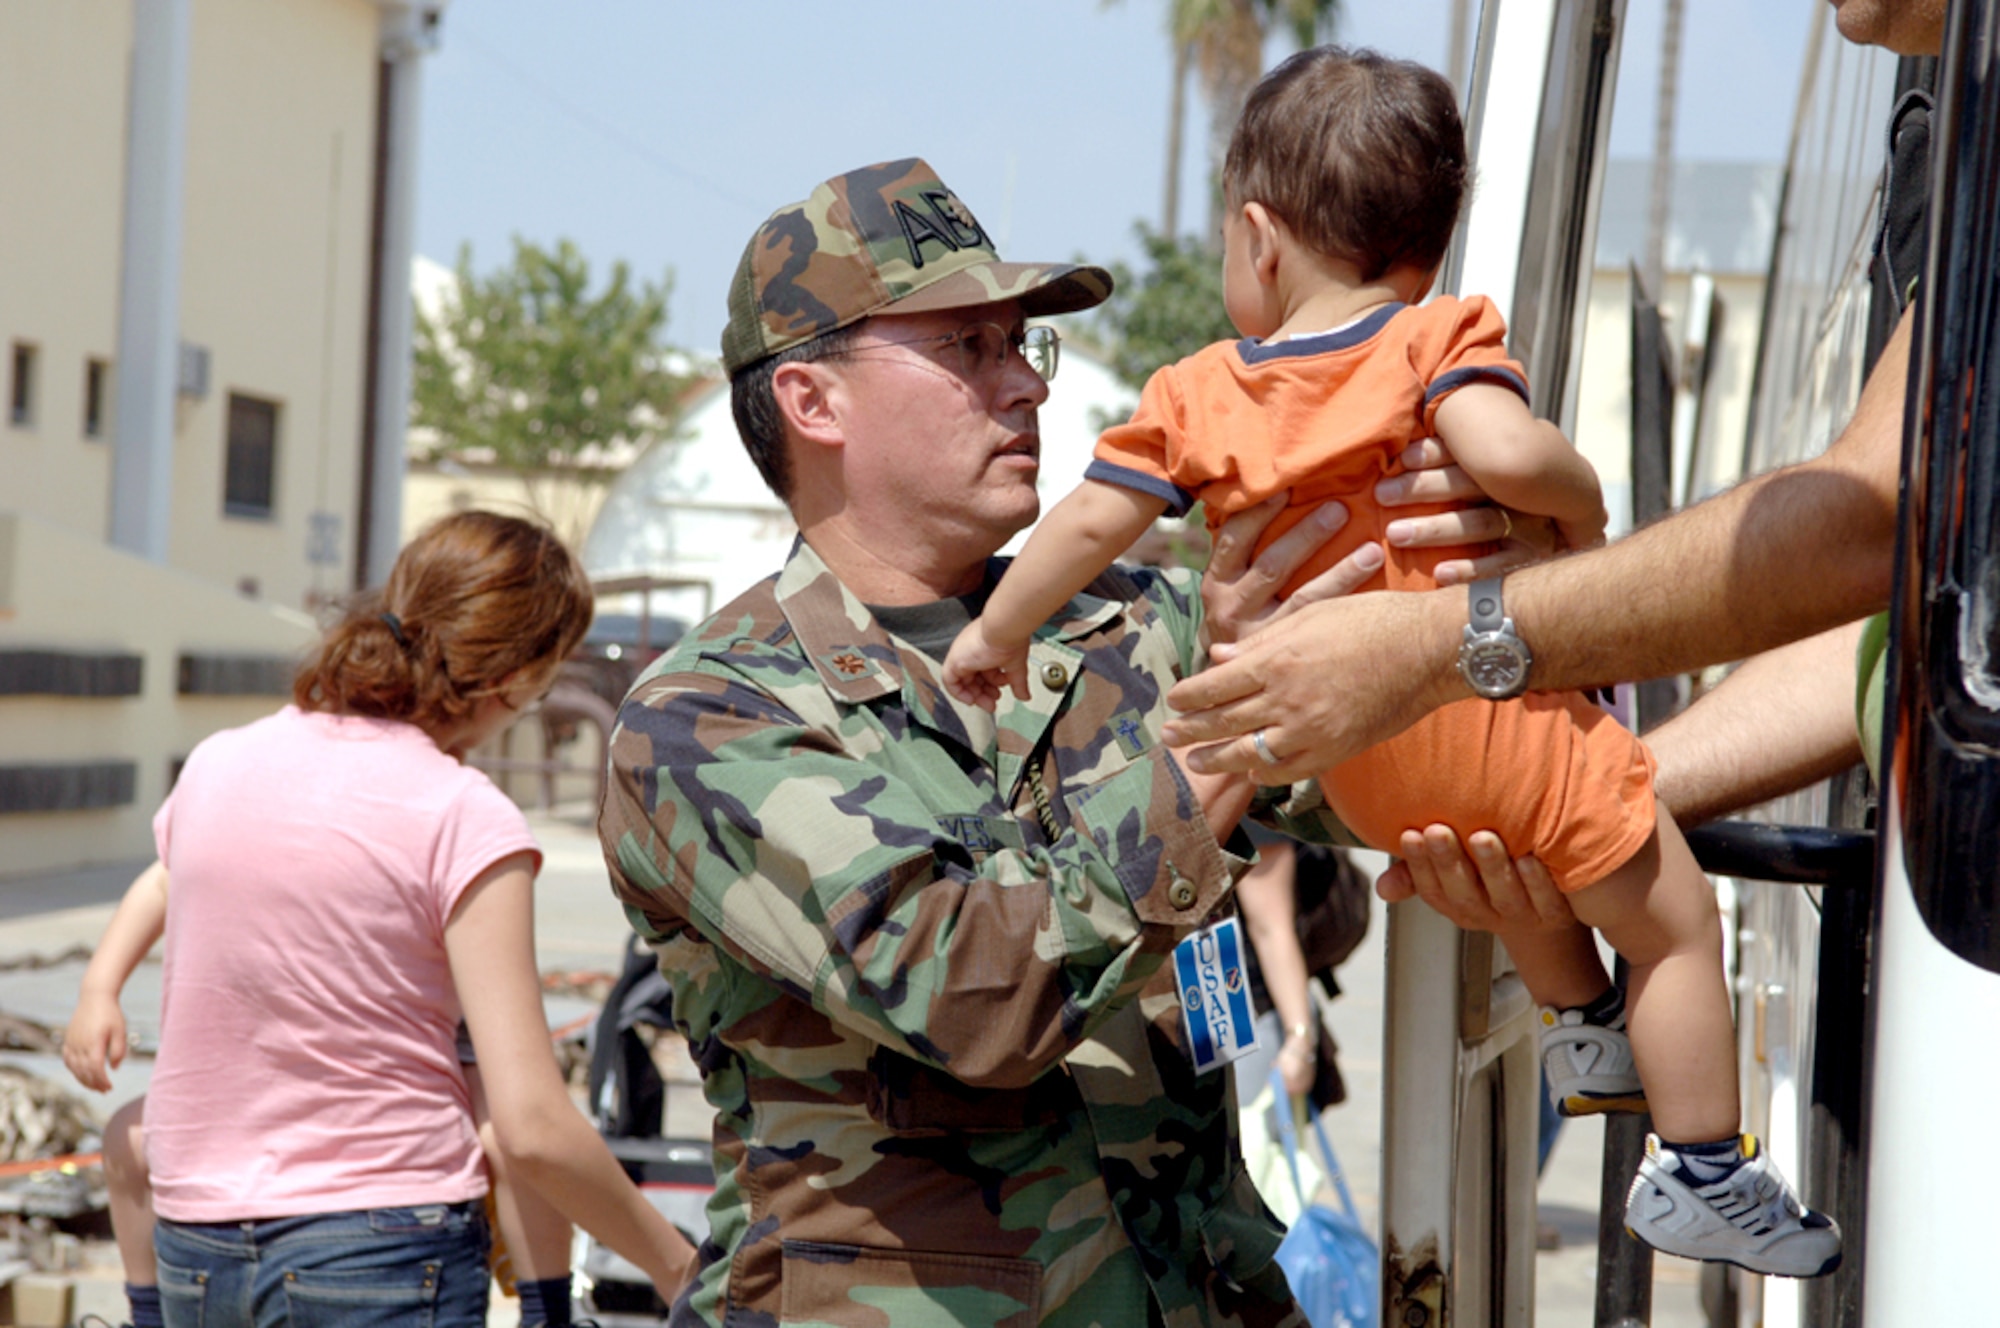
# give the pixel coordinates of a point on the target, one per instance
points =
(1075, 542)
(96, 1032)
(1522, 462)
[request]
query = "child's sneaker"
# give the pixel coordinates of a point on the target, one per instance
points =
(1589, 1068)
(1749, 1218)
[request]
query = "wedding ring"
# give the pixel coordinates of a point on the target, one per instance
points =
(1263, 748)
(1507, 525)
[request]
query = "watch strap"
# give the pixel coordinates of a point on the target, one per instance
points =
(1484, 599)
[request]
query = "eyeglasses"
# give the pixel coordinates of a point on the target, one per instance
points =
(983, 348)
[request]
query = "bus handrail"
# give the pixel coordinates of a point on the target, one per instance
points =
(1786, 854)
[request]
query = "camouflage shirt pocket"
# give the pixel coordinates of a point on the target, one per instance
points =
(824, 1283)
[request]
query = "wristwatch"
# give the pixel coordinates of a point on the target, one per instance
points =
(1494, 660)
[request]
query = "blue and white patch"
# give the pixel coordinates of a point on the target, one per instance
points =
(1215, 995)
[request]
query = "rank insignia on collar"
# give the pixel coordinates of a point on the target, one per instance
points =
(848, 663)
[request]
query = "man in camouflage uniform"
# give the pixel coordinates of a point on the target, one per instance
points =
(920, 952)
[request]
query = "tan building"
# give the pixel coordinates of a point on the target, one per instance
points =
(1721, 227)
(201, 199)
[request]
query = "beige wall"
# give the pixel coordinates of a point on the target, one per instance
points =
(278, 183)
(62, 156)
(568, 506)
(274, 271)
(1604, 402)
(107, 600)
(274, 276)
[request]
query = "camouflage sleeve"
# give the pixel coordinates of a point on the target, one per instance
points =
(828, 874)
(1299, 811)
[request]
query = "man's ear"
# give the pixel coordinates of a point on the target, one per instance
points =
(1263, 232)
(808, 396)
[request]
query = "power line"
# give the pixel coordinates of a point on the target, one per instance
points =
(596, 124)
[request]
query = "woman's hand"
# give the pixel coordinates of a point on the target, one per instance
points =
(1297, 1058)
(1486, 891)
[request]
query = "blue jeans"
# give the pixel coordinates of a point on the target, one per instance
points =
(416, 1267)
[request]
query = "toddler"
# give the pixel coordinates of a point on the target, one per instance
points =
(1344, 181)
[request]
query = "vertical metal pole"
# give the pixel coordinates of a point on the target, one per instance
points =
(1624, 1264)
(1420, 1116)
(1459, 47)
(408, 32)
(1660, 204)
(149, 289)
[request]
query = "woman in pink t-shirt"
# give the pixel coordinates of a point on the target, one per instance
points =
(343, 890)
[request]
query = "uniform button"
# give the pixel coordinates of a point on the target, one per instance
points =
(1180, 891)
(1055, 677)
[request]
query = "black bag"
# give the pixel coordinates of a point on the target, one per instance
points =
(1332, 919)
(1333, 903)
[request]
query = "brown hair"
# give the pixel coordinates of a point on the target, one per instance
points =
(474, 597)
(1361, 157)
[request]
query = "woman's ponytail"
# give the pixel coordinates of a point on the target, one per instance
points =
(474, 599)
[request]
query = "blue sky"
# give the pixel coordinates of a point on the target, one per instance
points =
(661, 132)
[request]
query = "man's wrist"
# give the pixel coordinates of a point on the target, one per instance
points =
(1442, 631)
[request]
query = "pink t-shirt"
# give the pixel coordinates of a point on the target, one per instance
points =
(306, 1060)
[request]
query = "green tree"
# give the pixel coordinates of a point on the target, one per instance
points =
(1223, 41)
(526, 370)
(1170, 309)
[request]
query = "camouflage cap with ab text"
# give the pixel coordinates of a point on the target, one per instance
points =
(882, 238)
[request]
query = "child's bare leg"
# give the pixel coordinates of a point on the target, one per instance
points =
(1561, 967)
(1659, 913)
(129, 1192)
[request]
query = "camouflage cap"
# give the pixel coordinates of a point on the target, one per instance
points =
(891, 235)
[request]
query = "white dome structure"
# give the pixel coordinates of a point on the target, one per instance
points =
(694, 511)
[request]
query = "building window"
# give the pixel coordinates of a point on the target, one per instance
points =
(96, 373)
(21, 386)
(251, 465)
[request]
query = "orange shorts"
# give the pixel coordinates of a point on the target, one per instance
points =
(1549, 772)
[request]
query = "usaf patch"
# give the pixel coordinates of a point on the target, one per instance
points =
(1215, 995)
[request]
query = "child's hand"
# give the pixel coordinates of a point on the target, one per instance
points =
(975, 669)
(95, 1037)
(1582, 534)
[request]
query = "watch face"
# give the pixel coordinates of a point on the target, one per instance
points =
(1493, 665)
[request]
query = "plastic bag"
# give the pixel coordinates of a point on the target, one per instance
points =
(1265, 1158)
(1332, 1264)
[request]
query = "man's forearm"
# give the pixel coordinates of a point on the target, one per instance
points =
(1781, 557)
(1780, 722)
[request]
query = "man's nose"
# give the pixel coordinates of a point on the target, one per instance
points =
(1019, 383)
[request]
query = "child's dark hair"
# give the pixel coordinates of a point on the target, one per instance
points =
(474, 597)
(1361, 157)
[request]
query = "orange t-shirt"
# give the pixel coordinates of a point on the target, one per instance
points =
(1324, 417)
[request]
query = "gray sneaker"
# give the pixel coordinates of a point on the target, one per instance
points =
(1588, 1069)
(1749, 1218)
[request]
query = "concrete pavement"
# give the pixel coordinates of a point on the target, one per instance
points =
(581, 928)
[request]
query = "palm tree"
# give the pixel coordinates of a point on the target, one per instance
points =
(1223, 40)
